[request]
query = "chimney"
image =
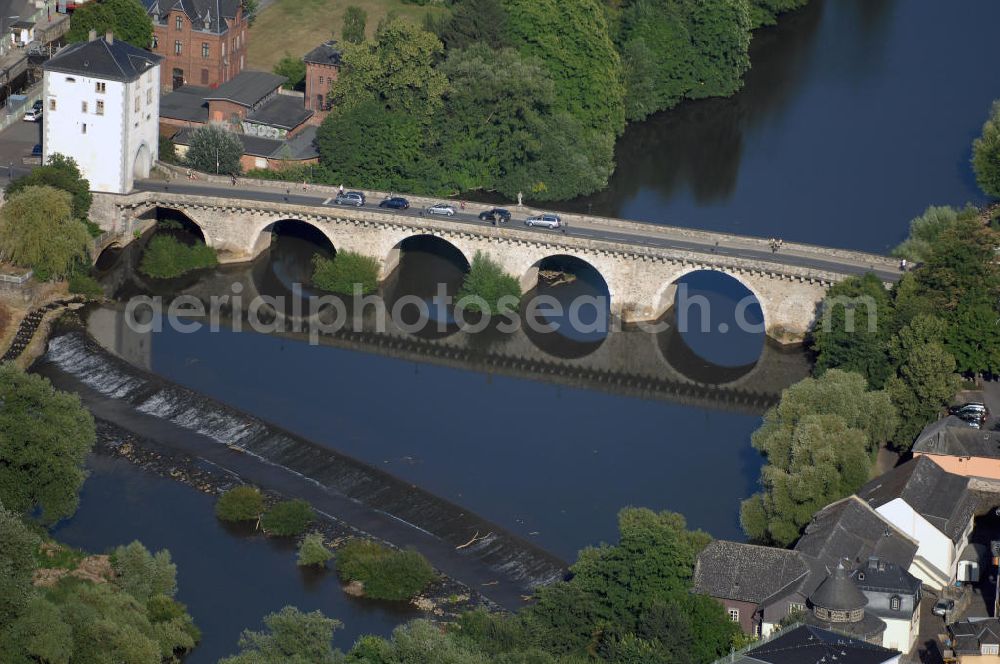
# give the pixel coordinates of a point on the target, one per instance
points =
(92, 35)
(109, 37)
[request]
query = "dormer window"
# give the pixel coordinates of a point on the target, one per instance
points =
(100, 87)
(895, 602)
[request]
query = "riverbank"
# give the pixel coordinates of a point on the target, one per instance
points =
(497, 564)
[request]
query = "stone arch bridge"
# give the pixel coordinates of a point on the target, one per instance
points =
(639, 262)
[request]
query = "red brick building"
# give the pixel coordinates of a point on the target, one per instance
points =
(203, 42)
(322, 69)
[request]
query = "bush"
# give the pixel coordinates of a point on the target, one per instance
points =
(288, 518)
(386, 573)
(242, 503)
(166, 257)
(214, 150)
(81, 283)
(487, 280)
(312, 551)
(168, 151)
(986, 155)
(344, 271)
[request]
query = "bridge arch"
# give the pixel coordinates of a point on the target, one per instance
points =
(262, 236)
(177, 215)
(666, 296)
(445, 246)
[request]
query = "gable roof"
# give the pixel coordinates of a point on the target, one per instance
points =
(808, 644)
(940, 497)
(885, 577)
(746, 572)
(953, 437)
(968, 635)
(247, 88)
(185, 103)
(205, 15)
(326, 53)
(117, 60)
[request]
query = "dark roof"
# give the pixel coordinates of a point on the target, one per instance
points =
(940, 497)
(809, 644)
(266, 147)
(185, 103)
(117, 61)
(247, 88)
(283, 111)
(850, 531)
(746, 572)
(968, 635)
(953, 437)
(324, 54)
(205, 15)
(884, 577)
(303, 144)
(838, 593)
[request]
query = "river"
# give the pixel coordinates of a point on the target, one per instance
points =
(857, 114)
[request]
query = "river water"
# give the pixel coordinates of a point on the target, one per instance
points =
(856, 115)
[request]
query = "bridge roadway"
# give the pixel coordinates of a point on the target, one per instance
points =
(642, 234)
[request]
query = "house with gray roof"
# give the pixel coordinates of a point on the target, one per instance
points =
(933, 507)
(975, 640)
(808, 644)
(960, 449)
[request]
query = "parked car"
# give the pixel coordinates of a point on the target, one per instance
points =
(33, 114)
(441, 208)
(546, 220)
(495, 215)
(395, 203)
(943, 607)
(355, 198)
(37, 105)
(973, 408)
(37, 150)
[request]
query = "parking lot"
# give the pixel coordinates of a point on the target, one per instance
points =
(16, 142)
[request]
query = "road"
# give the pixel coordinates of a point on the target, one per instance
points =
(644, 234)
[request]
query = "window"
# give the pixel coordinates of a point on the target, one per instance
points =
(83, 107)
(70, 79)
(204, 49)
(223, 42)
(149, 96)
(100, 107)
(895, 602)
(156, 42)
(52, 103)
(989, 649)
(204, 77)
(137, 102)
(83, 128)
(796, 607)
(177, 47)
(734, 615)
(321, 80)
(100, 87)
(179, 23)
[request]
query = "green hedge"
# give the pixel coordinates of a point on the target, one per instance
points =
(166, 257)
(242, 503)
(486, 279)
(346, 269)
(386, 573)
(313, 551)
(288, 518)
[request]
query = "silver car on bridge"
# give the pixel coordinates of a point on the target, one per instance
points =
(545, 220)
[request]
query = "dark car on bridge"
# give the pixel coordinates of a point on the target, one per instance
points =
(395, 203)
(355, 198)
(495, 215)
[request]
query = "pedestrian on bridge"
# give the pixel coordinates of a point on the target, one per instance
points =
(340, 190)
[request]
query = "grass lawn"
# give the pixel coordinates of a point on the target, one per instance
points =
(297, 26)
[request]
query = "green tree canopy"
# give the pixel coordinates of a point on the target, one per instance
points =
(766, 12)
(214, 150)
(290, 637)
(62, 173)
(475, 22)
(45, 436)
(292, 68)
(986, 154)
(143, 574)
(17, 564)
(926, 229)
(355, 21)
(486, 279)
(38, 230)
(313, 551)
(853, 329)
(126, 18)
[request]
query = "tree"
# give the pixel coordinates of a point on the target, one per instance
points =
(45, 436)
(291, 637)
(142, 574)
(986, 154)
(214, 150)
(487, 280)
(37, 230)
(355, 20)
(475, 22)
(62, 173)
(585, 67)
(853, 330)
(250, 8)
(17, 565)
(242, 503)
(127, 19)
(925, 380)
(288, 518)
(819, 442)
(346, 272)
(386, 573)
(926, 229)
(312, 551)
(765, 12)
(292, 68)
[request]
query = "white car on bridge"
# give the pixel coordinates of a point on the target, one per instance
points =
(441, 208)
(546, 220)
